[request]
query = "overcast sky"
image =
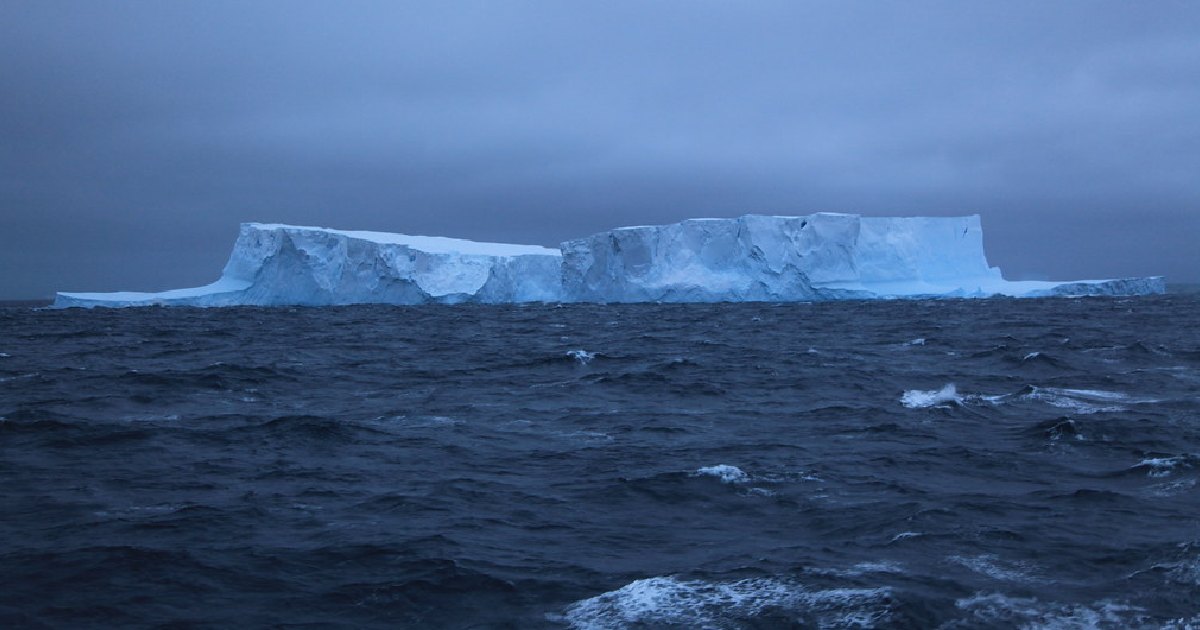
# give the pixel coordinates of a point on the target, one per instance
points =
(136, 136)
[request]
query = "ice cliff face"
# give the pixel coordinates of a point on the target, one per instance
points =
(751, 258)
(288, 265)
(821, 256)
(770, 258)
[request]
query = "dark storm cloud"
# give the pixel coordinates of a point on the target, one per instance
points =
(136, 135)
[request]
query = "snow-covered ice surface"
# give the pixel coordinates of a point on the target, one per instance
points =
(822, 256)
(815, 257)
(275, 264)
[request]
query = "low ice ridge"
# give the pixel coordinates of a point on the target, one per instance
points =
(671, 601)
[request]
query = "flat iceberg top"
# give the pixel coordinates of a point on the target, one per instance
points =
(431, 244)
(735, 219)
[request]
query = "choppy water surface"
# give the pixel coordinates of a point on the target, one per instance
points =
(955, 464)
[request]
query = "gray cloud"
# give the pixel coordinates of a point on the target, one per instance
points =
(137, 135)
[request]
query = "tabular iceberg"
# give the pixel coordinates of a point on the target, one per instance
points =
(822, 256)
(288, 265)
(816, 257)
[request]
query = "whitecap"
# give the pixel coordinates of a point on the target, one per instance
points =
(140, 511)
(860, 569)
(725, 472)
(418, 422)
(583, 357)
(150, 417)
(788, 477)
(1182, 623)
(4, 355)
(669, 601)
(1186, 572)
(588, 435)
(1163, 466)
(991, 566)
(920, 399)
(996, 609)
(1173, 488)
(1083, 401)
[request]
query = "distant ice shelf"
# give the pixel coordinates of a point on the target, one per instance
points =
(823, 256)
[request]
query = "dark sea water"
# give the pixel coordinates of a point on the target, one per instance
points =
(912, 464)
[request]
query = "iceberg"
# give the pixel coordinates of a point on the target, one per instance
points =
(277, 265)
(822, 256)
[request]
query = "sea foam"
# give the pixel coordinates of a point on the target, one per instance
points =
(920, 399)
(725, 472)
(669, 601)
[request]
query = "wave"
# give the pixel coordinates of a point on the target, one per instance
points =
(582, 357)
(1081, 401)
(922, 399)
(670, 601)
(1057, 430)
(1041, 358)
(724, 472)
(1165, 466)
(999, 610)
(992, 566)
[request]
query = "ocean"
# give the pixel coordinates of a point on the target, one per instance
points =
(896, 464)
